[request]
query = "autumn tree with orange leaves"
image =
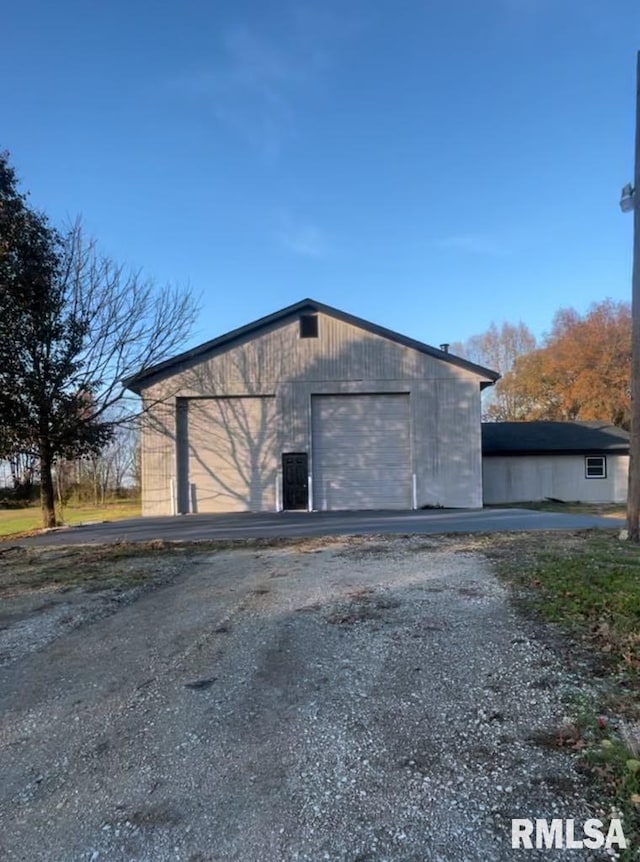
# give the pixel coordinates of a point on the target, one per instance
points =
(582, 371)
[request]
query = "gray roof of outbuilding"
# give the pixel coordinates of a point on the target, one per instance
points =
(137, 382)
(549, 438)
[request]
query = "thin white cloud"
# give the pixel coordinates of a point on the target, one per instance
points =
(253, 86)
(301, 238)
(474, 243)
(246, 91)
(523, 6)
(254, 64)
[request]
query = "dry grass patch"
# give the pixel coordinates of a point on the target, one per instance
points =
(91, 567)
(589, 584)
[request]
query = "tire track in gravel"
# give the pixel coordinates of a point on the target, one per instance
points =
(366, 700)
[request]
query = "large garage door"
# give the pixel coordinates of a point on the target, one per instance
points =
(361, 452)
(229, 455)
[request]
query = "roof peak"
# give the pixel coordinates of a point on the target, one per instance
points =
(136, 382)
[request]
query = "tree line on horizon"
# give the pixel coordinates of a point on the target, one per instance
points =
(579, 371)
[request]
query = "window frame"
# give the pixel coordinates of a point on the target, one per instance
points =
(602, 459)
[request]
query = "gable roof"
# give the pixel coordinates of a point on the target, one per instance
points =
(136, 382)
(553, 438)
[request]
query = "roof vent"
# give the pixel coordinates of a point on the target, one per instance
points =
(444, 347)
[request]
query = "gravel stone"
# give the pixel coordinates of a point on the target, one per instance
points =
(354, 700)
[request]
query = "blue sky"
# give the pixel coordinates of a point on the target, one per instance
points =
(430, 166)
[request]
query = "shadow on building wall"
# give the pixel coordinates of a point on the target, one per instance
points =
(238, 412)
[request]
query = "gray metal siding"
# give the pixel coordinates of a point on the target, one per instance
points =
(341, 352)
(444, 417)
(361, 453)
(448, 458)
(229, 450)
(158, 457)
(522, 478)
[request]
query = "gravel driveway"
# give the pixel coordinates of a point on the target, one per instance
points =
(347, 699)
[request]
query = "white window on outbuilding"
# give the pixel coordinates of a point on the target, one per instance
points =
(595, 466)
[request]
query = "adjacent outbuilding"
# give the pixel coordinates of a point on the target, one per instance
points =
(311, 408)
(527, 461)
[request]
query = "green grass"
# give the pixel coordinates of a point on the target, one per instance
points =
(15, 521)
(607, 510)
(589, 585)
(591, 588)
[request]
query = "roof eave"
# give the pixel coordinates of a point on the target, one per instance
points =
(595, 450)
(137, 382)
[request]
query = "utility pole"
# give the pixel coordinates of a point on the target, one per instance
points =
(633, 498)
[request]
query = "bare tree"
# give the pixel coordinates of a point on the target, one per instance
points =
(74, 325)
(499, 349)
(131, 325)
(107, 472)
(22, 467)
(122, 454)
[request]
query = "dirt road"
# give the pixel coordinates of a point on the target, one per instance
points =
(345, 699)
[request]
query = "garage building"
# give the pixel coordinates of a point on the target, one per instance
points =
(568, 461)
(311, 408)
